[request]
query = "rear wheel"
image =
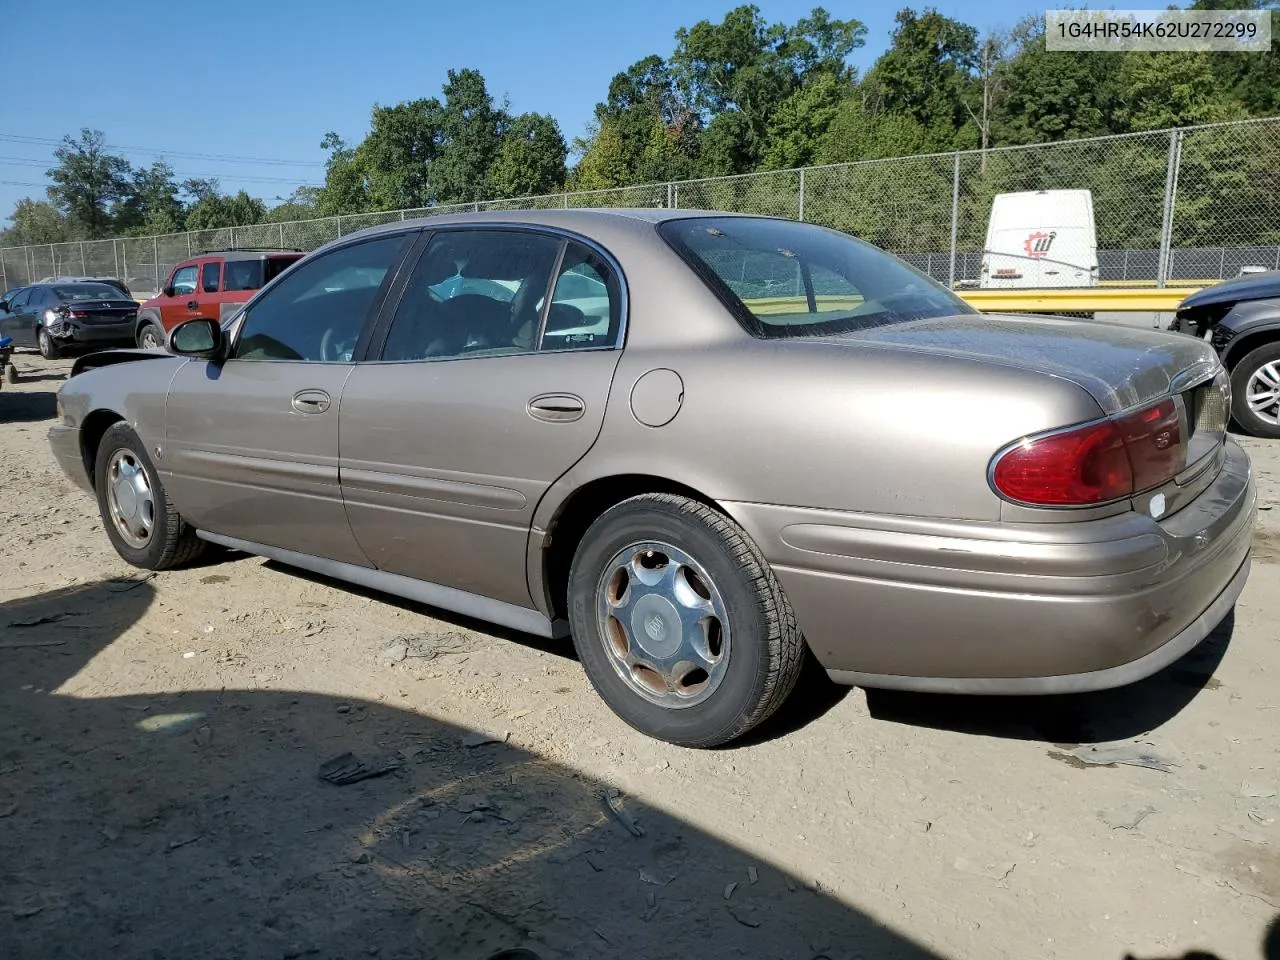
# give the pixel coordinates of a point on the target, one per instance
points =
(143, 526)
(10, 373)
(150, 337)
(679, 622)
(1255, 391)
(48, 348)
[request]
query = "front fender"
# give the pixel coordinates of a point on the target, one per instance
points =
(1245, 319)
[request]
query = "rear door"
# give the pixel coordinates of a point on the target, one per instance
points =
(482, 396)
(252, 441)
(210, 292)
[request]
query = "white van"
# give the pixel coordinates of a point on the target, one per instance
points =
(1039, 239)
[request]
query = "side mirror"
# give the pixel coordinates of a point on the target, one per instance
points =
(199, 339)
(167, 291)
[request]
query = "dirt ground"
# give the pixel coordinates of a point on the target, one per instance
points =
(161, 737)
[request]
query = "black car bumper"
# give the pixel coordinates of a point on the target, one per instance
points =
(75, 331)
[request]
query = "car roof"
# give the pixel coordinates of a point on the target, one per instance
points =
(244, 254)
(582, 219)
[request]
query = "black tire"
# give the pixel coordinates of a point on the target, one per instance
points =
(172, 541)
(149, 329)
(1241, 374)
(10, 373)
(766, 650)
(48, 348)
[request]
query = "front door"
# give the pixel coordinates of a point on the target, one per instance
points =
(482, 396)
(182, 303)
(251, 447)
(18, 322)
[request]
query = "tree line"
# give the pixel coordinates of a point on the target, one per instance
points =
(734, 96)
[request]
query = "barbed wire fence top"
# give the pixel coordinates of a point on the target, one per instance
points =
(1194, 203)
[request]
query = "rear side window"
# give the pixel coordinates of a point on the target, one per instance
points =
(209, 276)
(277, 266)
(781, 278)
(242, 275)
(586, 303)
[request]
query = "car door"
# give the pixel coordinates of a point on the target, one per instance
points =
(27, 317)
(179, 302)
(208, 295)
(482, 395)
(11, 320)
(252, 441)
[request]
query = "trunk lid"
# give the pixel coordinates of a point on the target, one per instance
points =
(1120, 367)
(102, 311)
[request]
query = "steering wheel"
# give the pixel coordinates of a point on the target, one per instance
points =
(333, 350)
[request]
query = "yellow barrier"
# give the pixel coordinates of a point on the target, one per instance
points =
(1077, 299)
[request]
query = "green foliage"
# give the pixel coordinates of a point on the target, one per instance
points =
(88, 183)
(604, 160)
(213, 210)
(302, 204)
(35, 221)
(530, 158)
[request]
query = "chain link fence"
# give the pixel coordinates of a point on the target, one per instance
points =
(1187, 205)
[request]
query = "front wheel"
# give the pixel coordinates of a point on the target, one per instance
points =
(10, 373)
(679, 622)
(1255, 391)
(142, 524)
(48, 348)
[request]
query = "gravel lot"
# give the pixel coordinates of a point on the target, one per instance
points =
(161, 739)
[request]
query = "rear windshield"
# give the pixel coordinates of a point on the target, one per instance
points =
(87, 291)
(787, 279)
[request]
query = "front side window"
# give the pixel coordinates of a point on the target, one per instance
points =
(210, 274)
(473, 293)
(18, 300)
(787, 279)
(317, 311)
(184, 281)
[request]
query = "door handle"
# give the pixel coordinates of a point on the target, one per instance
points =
(193, 304)
(311, 401)
(557, 408)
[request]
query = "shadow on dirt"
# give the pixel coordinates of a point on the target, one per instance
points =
(814, 695)
(1105, 715)
(195, 825)
(27, 406)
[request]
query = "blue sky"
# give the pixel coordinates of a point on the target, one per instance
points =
(266, 79)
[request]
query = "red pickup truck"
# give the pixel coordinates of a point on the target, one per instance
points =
(212, 285)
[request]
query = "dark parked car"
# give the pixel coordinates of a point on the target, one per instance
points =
(704, 445)
(111, 281)
(57, 316)
(1241, 318)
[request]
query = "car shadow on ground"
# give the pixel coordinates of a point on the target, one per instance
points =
(27, 406)
(194, 824)
(813, 696)
(1105, 715)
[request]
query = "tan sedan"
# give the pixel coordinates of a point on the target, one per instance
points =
(706, 446)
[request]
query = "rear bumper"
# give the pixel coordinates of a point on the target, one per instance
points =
(1004, 608)
(72, 331)
(64, 441)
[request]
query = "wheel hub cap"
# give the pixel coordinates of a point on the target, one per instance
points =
(663, 624)
(130, 499)
(1263, 393)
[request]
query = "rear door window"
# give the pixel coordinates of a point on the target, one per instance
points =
(210, 275)
(242, 275)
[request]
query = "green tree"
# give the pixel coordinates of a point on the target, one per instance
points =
(34, 221)
(212, 209)
(151, 205)
(738, 72)
(1173, 89)
(88, 183)
(530, 159)
(302, 204)
(395, 159)
(346, 189)
(603, 162)
(854, 134)
(796, 128)
(639, 98)
(927, 74)
(471, 129)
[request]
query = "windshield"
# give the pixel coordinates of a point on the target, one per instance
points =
(87, 291)
(787, 279)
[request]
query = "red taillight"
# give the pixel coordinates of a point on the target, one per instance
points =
(78, 314)
(1096, 463)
